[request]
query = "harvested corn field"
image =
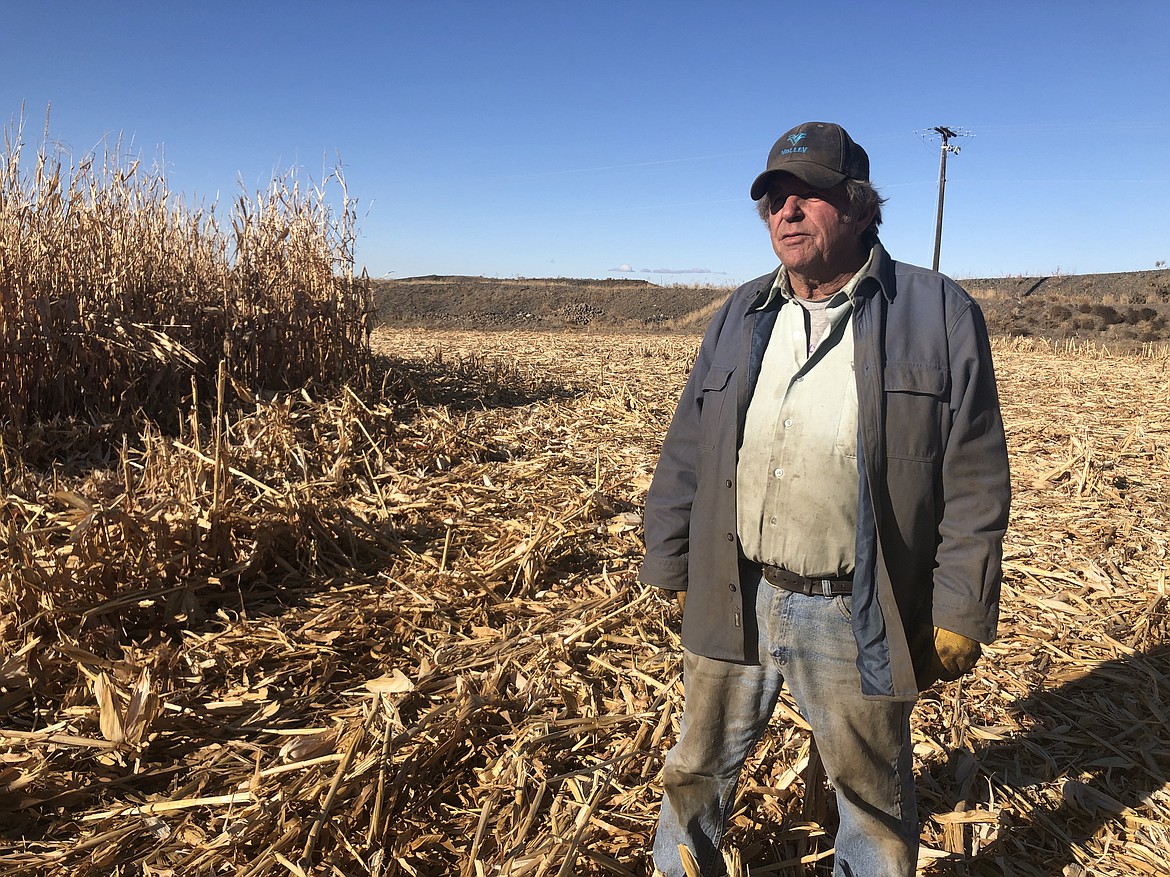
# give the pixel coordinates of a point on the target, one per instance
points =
(421, 648)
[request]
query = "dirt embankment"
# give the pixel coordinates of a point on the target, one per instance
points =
(1124, 309)
(481, 302)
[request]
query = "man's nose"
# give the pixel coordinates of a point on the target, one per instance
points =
(791, 208)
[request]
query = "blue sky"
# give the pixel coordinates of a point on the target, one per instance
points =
(544, 139)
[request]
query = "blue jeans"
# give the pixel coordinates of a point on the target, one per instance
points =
(806, 643)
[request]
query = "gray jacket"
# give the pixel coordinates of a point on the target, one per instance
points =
(932, 460)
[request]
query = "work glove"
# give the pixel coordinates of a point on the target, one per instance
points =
(678, 596)
(951, 656)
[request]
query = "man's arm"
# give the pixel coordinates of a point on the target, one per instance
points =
(976, 495)
(668, 503)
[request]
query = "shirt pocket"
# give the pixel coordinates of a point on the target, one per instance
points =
(715, 388)
(916, 407)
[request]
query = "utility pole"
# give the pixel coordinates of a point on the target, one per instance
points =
(946, 134)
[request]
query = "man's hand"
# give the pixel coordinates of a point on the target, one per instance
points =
(952, 655)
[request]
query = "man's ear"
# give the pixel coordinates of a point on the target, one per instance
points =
(866, 218)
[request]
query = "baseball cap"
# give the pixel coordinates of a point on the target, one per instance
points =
(820, 153)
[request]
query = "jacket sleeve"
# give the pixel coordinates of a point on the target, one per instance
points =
(976, 489)
(672, 491)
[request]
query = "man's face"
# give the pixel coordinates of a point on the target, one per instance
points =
(811, 230)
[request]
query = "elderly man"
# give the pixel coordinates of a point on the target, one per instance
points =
(830, 501)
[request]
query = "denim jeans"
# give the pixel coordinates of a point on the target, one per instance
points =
(807, 643)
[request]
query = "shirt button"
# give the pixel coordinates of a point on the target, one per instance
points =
(772, 521)
(788, 424)
(779, 473)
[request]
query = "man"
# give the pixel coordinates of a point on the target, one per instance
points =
(831, 501)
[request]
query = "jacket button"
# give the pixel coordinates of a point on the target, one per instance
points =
(731, 586)
(730, 537)
(727, 483)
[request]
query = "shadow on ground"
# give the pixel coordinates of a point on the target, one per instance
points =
(1083, 783)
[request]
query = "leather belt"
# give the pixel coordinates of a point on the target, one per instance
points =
(827, 587)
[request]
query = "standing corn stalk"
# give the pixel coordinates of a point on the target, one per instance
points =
(115, 295)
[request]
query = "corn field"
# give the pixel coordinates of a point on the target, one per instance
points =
(116, 297)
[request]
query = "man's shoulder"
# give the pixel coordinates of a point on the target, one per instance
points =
(907, 269)
(916, 279)
(743, 296)
(754, 287)
(734, 310)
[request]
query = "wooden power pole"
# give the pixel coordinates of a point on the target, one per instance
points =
(946, 134)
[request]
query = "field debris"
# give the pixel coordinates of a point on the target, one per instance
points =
(397, 632)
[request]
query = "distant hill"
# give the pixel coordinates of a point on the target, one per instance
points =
(1123, 308)
(1127, 307)
(471, 302)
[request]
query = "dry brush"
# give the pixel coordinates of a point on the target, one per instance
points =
(422, 649)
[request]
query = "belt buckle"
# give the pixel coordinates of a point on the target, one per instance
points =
(826, 587)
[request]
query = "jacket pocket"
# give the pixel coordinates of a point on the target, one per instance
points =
(715, 389)
(916, 408)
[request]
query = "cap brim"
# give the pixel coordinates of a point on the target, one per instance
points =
(813, 174)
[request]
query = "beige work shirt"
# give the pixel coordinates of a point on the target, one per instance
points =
(797, 470)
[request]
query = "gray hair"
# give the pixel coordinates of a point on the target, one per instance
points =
(862, 197)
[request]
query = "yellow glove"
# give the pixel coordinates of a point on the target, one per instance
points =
(679, 596)
(952, 656)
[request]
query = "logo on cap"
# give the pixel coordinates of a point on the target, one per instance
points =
(796, 138)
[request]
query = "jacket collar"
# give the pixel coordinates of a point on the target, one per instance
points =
(762, 294)
(880, 275)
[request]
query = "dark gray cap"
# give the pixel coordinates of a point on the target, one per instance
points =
(820, 153)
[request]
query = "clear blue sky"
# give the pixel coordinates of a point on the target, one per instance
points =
(551, 138)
